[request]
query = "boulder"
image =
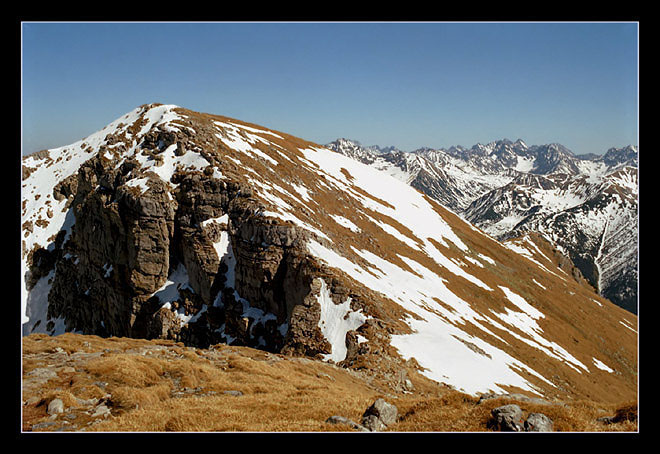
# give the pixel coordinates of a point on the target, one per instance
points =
(379, 415)
(373, 424)
(56, 406)
(538, 422)
(233, 393)
(606, 420)
(101, 410)
(507, 418)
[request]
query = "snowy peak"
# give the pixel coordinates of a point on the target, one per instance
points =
(553, 158)
(617, 157)
(355, 150)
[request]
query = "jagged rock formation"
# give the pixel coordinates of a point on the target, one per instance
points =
(131, 231)
(585, 205)
(203, 229)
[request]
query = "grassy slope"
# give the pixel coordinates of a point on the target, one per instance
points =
(163, 386)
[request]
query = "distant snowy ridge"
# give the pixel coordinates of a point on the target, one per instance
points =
(506, 188)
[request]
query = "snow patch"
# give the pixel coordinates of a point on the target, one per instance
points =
(487, 259)
(140, 183)
(226, 254)
(474, 261)
(177, 280)
(398, 235)
(224, 219)
(526, 322)
(303, 191)
(259, 131)
(345, 223)
(602, 366)
(525, 164)
(537, 283)
(336, 321)
(171, 162)
(435, 342)
(242, 141)
(628, 326)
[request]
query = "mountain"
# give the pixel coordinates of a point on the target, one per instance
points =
(355, 150)
(506, 188)
(174, 224)
(591, 220)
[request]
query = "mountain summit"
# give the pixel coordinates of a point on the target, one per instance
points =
(204, 229)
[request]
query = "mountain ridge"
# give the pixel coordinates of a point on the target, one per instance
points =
(175, 224)
(498, 185)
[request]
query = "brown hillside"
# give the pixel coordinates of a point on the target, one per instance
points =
(161, 386)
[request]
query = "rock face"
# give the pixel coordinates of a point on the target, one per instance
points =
(133, 231)
(118, 253)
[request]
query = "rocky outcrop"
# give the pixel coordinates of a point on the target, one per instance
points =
(538, 422)
(516, 396)
(118, 253)
(335, 419)
(133, 230)
(509, 418)
(379, 415)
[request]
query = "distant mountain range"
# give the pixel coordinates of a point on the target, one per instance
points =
(585, 205)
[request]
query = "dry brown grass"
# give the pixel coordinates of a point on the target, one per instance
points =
(458, 412)
(626, 413)
(128, 398)
(154, 389)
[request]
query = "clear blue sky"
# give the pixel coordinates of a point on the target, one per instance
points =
(403, 84)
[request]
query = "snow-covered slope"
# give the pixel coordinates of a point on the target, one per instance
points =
(506, 188)
(208, 229)
(592, 219)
